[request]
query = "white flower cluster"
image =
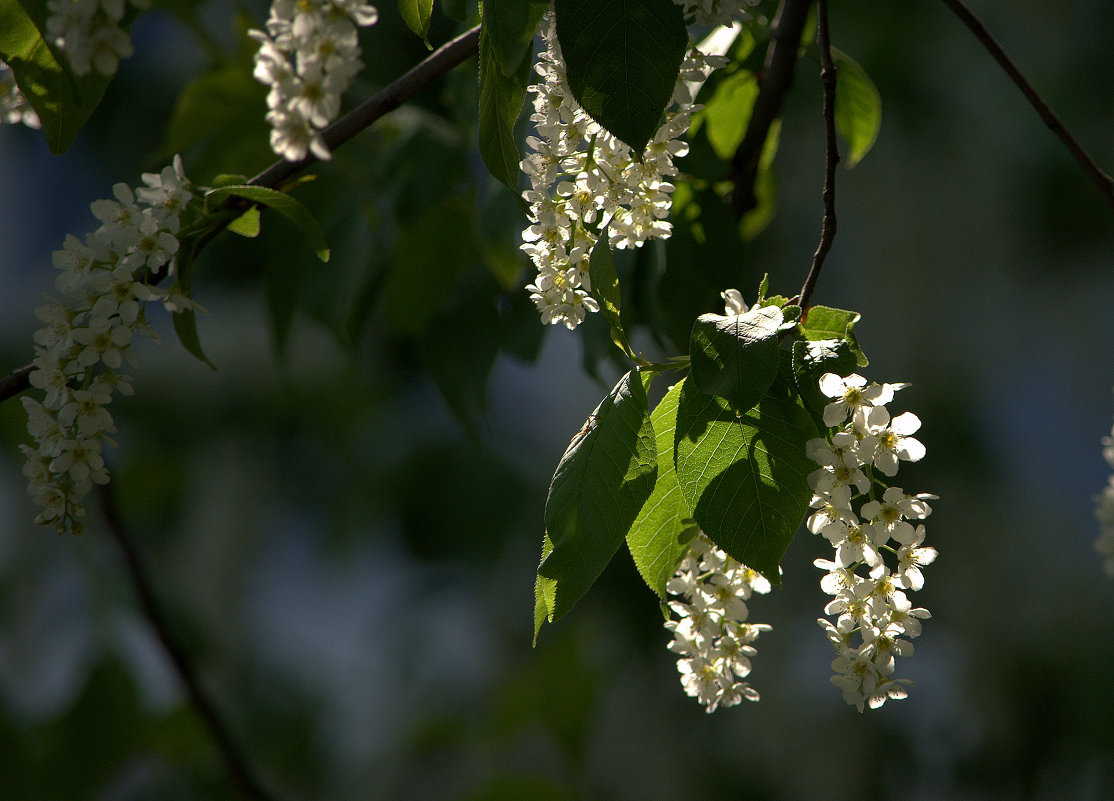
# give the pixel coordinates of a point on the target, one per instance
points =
(89, 32)
(715, 12)
(582, 177)
(14, 107)
(87, 338)
(1104, 511)
(308, 55)
(711, 633)
(865, 442)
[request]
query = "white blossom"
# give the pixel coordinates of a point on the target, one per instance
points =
(583, 178)
(87, 338)
(1104, 511)
(874, 621)
(89, 34)
(14, 108)
(711, 633)
(308, 55)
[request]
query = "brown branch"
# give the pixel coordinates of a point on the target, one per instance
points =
(1103, 182)
(386, 100)
(237, 766)
(449, 55)
(15, 382)
(777, 77)
(828, 224)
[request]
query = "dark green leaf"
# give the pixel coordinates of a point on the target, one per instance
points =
(63, 101)
(510, 26)
(813, 358)
(736, 357)
(216, 124)
(605, 287)
(622, 59)
(455, 9)
(285, 205)
(416, 15)
(824, 322)
(602, 481)
(858, 108)
(664, 527)
(501, 99)
(185, 326)
(744, 475)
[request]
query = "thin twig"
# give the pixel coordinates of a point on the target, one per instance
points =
(777, 77)
(1103, 182)
(237, 766)
(449, 55)
(828, 224)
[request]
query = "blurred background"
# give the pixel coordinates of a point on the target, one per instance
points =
(343, 521)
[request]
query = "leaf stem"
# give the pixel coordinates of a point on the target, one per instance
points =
(828, 223)
(1103, 182)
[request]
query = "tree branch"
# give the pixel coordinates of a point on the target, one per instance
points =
(777, 77)
(828, 224)
(237, 766)
(449, 55)
(1103, 182)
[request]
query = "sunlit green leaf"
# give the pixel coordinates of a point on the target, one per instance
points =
(727, 112)
(858, 108)
(824, 322)
(416, 14)
(247, 224)
(736, 356)
(284, 204)
(661, 533)
(600, 485)
(63, 101)
(744, 474)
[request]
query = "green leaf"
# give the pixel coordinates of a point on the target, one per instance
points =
(736, 357)
(285, 205)
(660, 535)
(605, 286)
(501, 99)
(416, 15)
(744, 475)
(510, 26)
(824, 322)
(858, 108)
(185, 326)
(247, 224)
(727, 112)
(813, 358)
(63, 101)
(602, 481)
(622, 58)
(455, 9)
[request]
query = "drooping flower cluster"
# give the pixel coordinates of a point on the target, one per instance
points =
(582, 177)
(308, 55)
(715, 12)
(14, 107)
(874, 619)
(89, 33)
(1104, 511)
(88, 335)
(711, 633)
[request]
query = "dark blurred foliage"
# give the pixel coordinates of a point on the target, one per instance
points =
(344, 520)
